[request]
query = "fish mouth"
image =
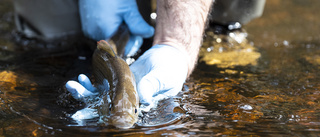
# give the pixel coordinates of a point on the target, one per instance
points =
(123, 120)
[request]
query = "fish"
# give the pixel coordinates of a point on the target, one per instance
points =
(121, 102)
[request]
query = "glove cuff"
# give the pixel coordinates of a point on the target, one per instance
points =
(181, 52)
(189, 57)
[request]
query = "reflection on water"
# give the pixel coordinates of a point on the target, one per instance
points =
(268, 85)
(228, 50)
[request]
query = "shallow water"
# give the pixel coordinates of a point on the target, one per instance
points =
(265, 86)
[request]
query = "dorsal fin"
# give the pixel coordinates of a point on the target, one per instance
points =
(105, 46)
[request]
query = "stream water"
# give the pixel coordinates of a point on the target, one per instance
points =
(266, 85)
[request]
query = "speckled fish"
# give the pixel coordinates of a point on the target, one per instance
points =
(121, 102)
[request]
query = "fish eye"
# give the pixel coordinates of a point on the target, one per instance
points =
(110, 107)
(135, 110)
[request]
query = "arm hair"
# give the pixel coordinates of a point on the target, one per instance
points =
(181, 23)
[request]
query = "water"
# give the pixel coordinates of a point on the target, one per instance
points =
(264, 86)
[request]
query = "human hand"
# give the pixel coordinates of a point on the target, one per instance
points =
(160, 73)
(81, 89)
(101, 19)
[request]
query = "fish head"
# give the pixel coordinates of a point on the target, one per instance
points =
(124, 112)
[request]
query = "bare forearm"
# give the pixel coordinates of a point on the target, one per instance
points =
(180, 23)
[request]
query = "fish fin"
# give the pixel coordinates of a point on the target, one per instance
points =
(105, 46)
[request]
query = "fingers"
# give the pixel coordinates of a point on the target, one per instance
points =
(86, 113)
(147, 87)
(77, 90)
(97, 21)
(151, 90)
(105, 86)
(160, 73)
(85, 81)
(137, 25)
(133, 45)
(100, 19)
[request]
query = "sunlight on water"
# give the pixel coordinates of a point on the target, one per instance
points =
(225, 51)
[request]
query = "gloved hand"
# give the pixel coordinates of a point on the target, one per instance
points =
(100, 19)
(83, 88)
(160, 72)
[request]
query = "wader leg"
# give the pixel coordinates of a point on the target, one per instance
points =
(47, 19)
(232, 14)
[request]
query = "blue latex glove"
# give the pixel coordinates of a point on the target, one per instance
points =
(160, 73)
(83, 91)
(83, 88)
(100, 19)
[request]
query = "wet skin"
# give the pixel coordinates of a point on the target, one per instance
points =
(121, 102)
